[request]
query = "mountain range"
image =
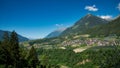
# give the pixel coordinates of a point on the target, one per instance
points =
(89, 24)
(103, 29)
(81, 26)
(21, 38)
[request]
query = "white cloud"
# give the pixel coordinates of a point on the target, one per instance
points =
(118, 6)
(59, 25)
(106, 17)
(91, 8)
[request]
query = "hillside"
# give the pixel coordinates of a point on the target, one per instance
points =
(21, 38)
(94, 57)
(111, 28)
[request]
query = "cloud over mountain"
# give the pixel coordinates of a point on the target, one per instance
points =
(91, 8)
(106, 17)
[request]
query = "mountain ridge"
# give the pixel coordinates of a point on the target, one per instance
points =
(21, 38)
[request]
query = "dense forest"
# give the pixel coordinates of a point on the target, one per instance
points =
(95, 57)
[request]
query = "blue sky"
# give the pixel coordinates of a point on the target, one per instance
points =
(37, 18)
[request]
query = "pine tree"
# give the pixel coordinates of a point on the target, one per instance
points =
(5, 42)
(5, 38)
(14, 49)
(5, 47)
(32, 58)
(2, 54)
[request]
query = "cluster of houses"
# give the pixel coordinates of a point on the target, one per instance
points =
(78, 42)
(92, 41)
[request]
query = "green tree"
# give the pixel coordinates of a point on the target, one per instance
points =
(2, 55)
(14, 49)
(32, 58)
(10, 54)
(23, 55)
(4, 51)
(5, 39)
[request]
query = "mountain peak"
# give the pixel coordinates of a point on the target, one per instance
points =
(89, 14)
(91, 20)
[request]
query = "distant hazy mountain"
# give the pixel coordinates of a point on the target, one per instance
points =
(83, 24)
(55, 33)
(21, 38)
